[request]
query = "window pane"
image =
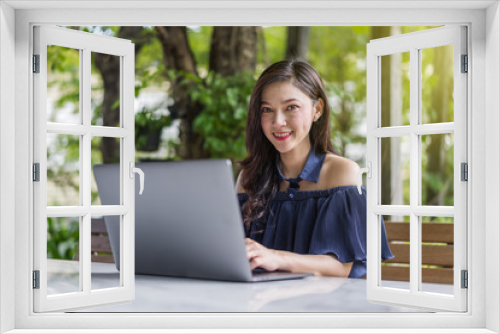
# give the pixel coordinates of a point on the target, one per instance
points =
(105, 150)
(396, 271)
(63, 85)
(437, 84)
(105, 74)
(437, 254)
(437, 170)
(105, 229)
(395, 89)
(63, 265)
(395, 169)
(63, 170)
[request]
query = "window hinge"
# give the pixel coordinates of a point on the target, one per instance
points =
(464, 171)
(36, 279)
(465, 64)
(36, 63)
(465, 279)
(36, 172)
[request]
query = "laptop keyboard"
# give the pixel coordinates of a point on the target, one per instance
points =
(260, 274)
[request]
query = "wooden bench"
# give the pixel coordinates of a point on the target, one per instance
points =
(100, 245)
(439, 256)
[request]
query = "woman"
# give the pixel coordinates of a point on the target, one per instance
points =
(299, 199)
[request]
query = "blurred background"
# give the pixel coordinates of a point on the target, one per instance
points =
(192, 89)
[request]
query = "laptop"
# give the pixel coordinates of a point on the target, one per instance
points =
(187, 221)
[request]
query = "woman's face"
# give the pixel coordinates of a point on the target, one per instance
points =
(287, 116)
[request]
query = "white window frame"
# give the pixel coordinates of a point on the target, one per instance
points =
(85, 43)
(414, 43)
(483, 21)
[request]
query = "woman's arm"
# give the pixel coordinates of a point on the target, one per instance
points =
(320, 265)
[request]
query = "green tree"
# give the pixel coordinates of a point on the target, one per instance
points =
(338, 54)
(232, 51)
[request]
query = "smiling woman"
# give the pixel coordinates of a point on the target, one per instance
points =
(299, 200)
(482, 19)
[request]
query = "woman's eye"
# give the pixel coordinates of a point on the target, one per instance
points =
(266, 110)
(292, 107)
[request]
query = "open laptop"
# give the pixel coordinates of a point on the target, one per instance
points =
(187, 221)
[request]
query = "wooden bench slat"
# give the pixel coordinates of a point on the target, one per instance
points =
(439, 255)
(102, 258)
(431, 255)
(97, 258)
(100, 243)
(431, 232)
(98, 226)
(437, 275)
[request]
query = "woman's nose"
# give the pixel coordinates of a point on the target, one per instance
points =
(279, 119)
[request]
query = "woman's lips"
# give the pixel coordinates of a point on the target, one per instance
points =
(282, 135)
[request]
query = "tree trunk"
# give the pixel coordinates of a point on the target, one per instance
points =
(233, 50)
(297, 43)
(178, 56)
(261, 44)
(109, 67)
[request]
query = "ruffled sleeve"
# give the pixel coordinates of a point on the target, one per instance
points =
(340, 229)
(331, 221)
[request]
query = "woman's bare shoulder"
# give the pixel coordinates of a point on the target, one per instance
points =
(338, 171)
(239, 187)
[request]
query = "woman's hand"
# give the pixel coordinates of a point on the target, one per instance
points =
(270, 260)
(262, 257)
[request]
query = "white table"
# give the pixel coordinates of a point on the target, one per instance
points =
(172, 294)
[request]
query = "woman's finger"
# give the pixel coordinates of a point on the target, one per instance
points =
(255, 263)
(249, 248)
(253, 253)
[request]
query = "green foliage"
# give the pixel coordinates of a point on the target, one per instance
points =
(440, 182)
(150, 56)
(339, 55)
(199, 42)
(63, 153)
(147, 77)
(151, 119)
(222, 120)
(272, 46)
(62, 238)
(63, 76)
(149, 122)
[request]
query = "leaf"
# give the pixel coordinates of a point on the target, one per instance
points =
(116, 104)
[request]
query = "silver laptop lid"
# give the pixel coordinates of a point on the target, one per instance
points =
(188, 221)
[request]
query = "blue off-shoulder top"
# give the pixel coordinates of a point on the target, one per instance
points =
(330, 221)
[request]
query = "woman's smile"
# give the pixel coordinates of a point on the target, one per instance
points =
(282, 135)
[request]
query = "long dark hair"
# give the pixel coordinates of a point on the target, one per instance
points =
(259, 176)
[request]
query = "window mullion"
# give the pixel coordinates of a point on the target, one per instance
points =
(79, 130)
(414, 169)
(85, 157)
(85, 173)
